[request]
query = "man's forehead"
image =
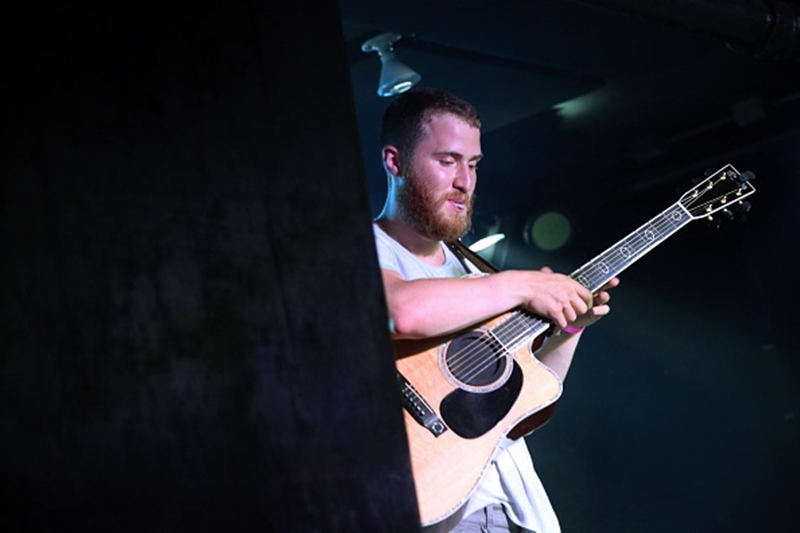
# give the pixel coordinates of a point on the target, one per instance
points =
(441, 116)
(453, 131)
(448, 122)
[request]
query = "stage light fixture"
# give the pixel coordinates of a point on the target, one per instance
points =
(396, 76)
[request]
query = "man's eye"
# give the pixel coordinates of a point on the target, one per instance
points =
(447, 162)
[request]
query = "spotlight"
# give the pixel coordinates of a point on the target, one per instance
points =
(486, 242)
(396, 77)
(549, 231)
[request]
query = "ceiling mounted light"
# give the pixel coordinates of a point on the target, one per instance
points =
(396, 77)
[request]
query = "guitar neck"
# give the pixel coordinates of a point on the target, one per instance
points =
(523, 325)
(630, 249)
(723, 190)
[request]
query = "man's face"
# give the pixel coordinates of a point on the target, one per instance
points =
(437, 194)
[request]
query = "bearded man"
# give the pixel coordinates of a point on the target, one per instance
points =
(431, 146)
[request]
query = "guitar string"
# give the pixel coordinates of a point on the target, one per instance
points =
(461, 360)
(464, 360)
(470, 360)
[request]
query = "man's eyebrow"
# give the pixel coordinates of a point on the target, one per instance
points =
(458, 155)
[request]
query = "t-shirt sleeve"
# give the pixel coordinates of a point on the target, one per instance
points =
(387, 257)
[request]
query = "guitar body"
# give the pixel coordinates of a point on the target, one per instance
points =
(513, 395)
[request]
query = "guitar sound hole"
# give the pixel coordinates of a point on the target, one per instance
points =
(476, 359)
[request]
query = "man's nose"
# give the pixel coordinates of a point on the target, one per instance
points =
(463, 180)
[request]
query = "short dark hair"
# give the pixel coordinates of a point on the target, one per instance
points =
(405, 118)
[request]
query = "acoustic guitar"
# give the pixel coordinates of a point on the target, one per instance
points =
(463, 393)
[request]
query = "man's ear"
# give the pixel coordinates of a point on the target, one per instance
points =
(391, 160)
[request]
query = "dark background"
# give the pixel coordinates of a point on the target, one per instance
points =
(193, 327)
(681, 410)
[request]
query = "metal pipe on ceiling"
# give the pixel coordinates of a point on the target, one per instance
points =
(760, 27)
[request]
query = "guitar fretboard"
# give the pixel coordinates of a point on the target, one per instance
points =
(627, 251)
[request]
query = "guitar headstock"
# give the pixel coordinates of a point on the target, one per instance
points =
(724, 192)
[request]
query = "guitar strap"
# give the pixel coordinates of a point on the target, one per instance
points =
(463, 253)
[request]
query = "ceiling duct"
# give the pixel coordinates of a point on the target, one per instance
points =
(760, 27)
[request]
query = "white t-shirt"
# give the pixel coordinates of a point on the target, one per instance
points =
(510, 478)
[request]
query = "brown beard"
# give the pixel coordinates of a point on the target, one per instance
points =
(420, 209)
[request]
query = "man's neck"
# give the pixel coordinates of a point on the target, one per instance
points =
(427, 250)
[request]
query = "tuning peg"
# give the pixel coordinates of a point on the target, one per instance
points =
(707, 172)
(714, 222)
(748, 175)
(726, 215)
(744, 206)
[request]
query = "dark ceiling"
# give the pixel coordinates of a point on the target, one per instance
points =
(687, 396)
(605, 111)
(586, 105)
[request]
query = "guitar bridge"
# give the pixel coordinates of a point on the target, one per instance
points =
(418, 408)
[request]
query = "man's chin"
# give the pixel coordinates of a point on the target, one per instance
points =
(452, 231)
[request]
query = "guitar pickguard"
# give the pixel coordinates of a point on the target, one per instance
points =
(471, 414)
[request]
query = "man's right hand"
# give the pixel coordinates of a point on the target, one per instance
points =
(547, 294)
